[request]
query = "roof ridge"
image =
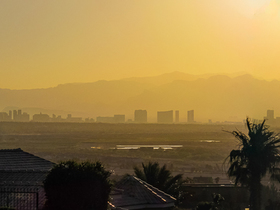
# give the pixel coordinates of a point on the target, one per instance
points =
(37, 156)
(152, 188)
(152, 192)
(20, 150)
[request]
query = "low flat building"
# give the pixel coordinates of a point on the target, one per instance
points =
(41, 117)
(119, 118)
(105, 119)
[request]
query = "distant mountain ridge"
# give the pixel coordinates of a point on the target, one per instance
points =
(216, 97)
(176, 75)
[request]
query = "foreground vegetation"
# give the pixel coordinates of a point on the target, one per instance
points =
(258, 154)
(72, 185)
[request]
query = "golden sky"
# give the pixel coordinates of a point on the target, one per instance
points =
(45, 43)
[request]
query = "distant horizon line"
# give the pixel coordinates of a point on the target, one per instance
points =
(231, 75)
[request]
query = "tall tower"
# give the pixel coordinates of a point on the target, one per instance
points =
(191, 116)
(176, 116)
(10, 114)
(15, 115)
(165, 117)
(270, 114)
(140, 116)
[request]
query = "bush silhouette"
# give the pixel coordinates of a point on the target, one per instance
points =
(74, 186)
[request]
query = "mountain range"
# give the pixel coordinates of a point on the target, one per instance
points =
(218, 97)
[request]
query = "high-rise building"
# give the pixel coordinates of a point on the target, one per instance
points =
(165, 117)
(4, 116)
(15, 114)
(270, 114)
(10, 115)
(191, 116)
(177, 116)
(140, 116)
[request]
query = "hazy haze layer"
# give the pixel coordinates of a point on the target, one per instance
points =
(216, 97)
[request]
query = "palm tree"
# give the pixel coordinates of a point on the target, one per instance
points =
(160, 177)
(258, 154)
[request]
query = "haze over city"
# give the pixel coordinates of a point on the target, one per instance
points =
(120, 56)
(139, 104)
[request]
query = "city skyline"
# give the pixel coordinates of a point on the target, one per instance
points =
(140, 116)
(156, 55)
(216, 97)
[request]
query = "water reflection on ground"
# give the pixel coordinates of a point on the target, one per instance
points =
(148, 146)
(210, 141)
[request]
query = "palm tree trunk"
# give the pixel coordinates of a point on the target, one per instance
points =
(255, 193)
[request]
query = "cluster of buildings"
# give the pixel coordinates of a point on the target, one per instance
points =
(140, 116)
(14, 116)
(167, 116)
(19, 116)
(270, 118)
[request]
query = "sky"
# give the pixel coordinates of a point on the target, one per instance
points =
(46, 43)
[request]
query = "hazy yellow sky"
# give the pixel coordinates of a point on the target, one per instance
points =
(45, 43)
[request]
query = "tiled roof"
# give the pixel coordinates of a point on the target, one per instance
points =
(18, 160)
(137, 194)
(22, 168)
(19, 178)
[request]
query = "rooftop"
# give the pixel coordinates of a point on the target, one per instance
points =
(18, 160)
(133, 193)
(22, 168)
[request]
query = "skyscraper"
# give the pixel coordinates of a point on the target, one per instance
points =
(165, 117)
(270, 114)
(140, 116)
(177, 116)
(15, 115)
(191, 116)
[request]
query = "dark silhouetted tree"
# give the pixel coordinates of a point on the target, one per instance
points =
(74, 186)
(160, 177)
(258, 154)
